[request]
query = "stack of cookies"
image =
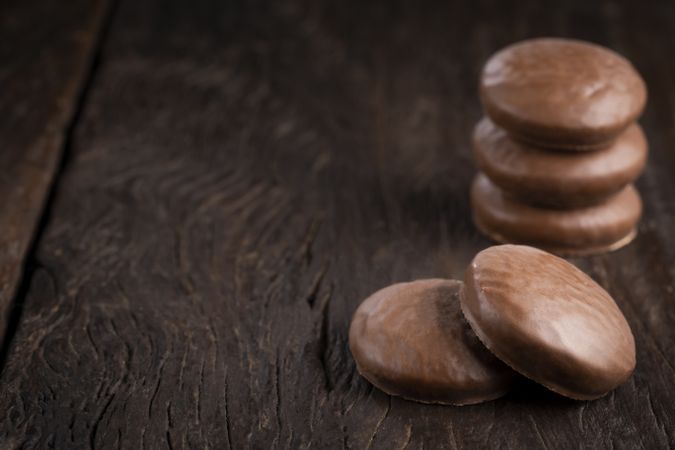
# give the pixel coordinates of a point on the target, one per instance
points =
(559, 147)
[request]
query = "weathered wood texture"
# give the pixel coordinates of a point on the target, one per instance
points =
(45, 51)
(244, 174)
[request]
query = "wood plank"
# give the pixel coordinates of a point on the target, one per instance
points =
(242, 177)
(45, 50)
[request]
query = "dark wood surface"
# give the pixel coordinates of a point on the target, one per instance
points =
(243, 174)
(45, 55)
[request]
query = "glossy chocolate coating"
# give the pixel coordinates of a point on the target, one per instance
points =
(411, 340)
(561, 93)
(558, 178)
(593, 229)
(548, 320)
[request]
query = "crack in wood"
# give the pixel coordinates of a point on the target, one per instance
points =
(277, 391)
(369, 445)
(98, 419)
(228, 424)
(310, 238)
(325, 341)
(44, 190)
(310, 298)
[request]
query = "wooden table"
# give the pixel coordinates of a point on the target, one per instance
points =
(197, 195)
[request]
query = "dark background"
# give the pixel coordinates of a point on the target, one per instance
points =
(197, 195)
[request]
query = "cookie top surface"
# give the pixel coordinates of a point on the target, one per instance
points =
(561, 92)
(548, 320)
(411, 340)
(558, 178)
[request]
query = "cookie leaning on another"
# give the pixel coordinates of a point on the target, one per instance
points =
(535, 312)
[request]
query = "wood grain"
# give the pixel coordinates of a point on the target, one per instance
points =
(244, 174)
(44, 64)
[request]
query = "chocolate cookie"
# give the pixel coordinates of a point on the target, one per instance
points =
(593, 229)
(558, 178)
(548, 320)
(561, 93)
(410, 340)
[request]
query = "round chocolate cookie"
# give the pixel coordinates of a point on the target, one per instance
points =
(410, 340)
(558, 178)
(592, 229)
(548, 320)
(561, 93)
